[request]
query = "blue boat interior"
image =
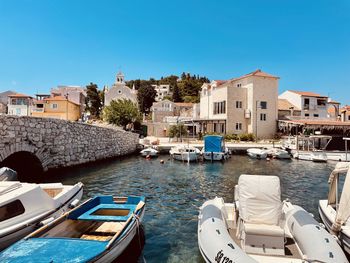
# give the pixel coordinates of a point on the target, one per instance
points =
(81, 237)
(103, 208)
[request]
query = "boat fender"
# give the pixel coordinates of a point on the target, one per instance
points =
(46, 221)
(74, 203)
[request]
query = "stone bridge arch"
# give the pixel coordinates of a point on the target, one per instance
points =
(53, 143)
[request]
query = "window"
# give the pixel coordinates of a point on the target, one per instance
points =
(54, 106)
(238, 126)
(263, 116)
(306, 101)
(307, 114)
(119, 92)
(263, 105)
(10, 210)
(18, 111)
(349, 118)
(219, 107)
(316, 115)
(239, 104)
(239, 85)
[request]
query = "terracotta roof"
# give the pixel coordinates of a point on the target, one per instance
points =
(319, 122)
(257, 73)
(345, 108)
(220, 82)
(19, 95)
(184, 104)
(284, 104)
(307, 93)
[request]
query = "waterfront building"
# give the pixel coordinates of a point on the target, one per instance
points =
(167, 113)
(312, 105)
(163, 91)
(19, 104)
(57, 107)
(287, 110)
(246, 104)
(119, 90)
(345, 113)
(75, 94)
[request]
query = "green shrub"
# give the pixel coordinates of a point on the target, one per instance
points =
(247, 137)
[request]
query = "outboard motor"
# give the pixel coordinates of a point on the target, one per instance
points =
(7, 174)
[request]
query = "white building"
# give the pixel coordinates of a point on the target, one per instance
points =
(312, 105)
(247, 104)
(120, 91)
(162, 91)
(19, 104)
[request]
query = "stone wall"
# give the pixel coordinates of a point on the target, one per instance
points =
(59, 143)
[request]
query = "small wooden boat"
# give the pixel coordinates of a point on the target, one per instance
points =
(214, 148)
(149, 151)
(335, 211)
(184, 153)
(257, 153)
(99, 230)
(258, 227)
(24, 207)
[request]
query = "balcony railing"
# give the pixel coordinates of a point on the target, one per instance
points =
(38, 110)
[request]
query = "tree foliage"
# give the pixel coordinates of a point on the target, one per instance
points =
(93, 100)
(177, 131)
(122, 112)
(146, 96)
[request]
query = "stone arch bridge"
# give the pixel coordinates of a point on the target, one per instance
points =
(33, 145)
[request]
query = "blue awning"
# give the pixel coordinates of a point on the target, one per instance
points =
(213, 143)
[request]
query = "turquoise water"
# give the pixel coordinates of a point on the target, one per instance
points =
(175, 191)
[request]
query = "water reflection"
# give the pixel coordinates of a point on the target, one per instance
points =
(175, 191)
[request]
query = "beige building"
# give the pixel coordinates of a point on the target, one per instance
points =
(287, 110)
(119, 91)
(57, 107)
(75, 94)
(247, 104)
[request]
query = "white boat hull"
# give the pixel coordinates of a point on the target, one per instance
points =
(12, 235)
(215, 156)
(216, 244)
(119, 247)
(185, 157)
(328, 214)
(257, 153)
(311, 156)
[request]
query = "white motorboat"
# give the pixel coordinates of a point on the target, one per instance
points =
(258, 227)
(335, 212)
(315, 156)
(281, 154)
(149, 151)
(214, 148)
(257, 153)
(24, 207)
(7, 174)
(185, 153)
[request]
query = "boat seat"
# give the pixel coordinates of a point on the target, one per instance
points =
(263, 239)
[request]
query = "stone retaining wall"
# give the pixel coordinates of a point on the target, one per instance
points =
(59, 143)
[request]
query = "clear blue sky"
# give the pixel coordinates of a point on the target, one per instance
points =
(50, 42)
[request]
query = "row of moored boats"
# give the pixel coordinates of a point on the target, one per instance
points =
(44, 223)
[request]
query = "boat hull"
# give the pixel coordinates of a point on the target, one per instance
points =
(257, 153)
(10, 237)
(327, 215)
(117, 249)
(215, 156)
(185, 157)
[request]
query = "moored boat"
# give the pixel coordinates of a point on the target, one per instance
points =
(24, 206)
(258, 227)
(257, 153)
(185, 153)
(214, 148)
(7, 174)
(335, 211)
(149, 151)
(99, 230)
